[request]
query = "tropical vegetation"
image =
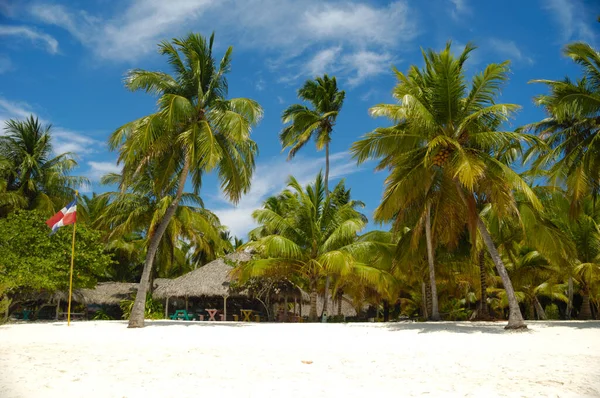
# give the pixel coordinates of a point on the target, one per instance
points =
(486, 221)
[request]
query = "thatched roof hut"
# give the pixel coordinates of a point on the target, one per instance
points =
(106, 293)
(211, 279)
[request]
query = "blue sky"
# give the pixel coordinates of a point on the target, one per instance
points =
(64, 61)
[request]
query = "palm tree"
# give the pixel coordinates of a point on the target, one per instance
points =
(317, 121)
(314, 237)
(443, 152)
(195, 130)
(583, 232)
(33, 178)
(571, 128)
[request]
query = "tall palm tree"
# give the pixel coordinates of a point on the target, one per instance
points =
(442, 152)
(34, 177)
(571, 130)
(314, 237)
(195, 130)
(316, 121)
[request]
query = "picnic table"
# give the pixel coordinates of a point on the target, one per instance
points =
(212, 313)
(246, 314)
(24, 315)
(183, 315)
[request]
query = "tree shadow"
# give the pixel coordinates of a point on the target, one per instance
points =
(200, 324)
(486, 327)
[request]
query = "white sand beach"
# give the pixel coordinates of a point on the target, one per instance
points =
(191, 359)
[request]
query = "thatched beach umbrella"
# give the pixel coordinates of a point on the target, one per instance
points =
(211, 279)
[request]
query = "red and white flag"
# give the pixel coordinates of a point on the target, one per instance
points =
(68, 215)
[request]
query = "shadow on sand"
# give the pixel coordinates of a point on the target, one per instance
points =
(487, 327)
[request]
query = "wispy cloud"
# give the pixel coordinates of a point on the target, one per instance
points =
(31, 34)
(271, 178)
(99, 169)
(63, 140)
(510, 50)
(354, 38)
(574, 18)
(71, 141)
(459, 8)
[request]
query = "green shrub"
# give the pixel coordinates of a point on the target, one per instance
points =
(154, 308)
(101, 315)
(552, 312)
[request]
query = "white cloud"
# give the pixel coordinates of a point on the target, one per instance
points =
(62, 140)
(70, 141)
(574, 19)
(270, 178)
(99, 169)
(366, 64)
(460, 8)
(322, 62)
(510, 50)
(290, 29)
(31, 34)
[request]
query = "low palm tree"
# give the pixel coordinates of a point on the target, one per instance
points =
(196, 130)
(442, 152)
(33, 177)
(314, 237)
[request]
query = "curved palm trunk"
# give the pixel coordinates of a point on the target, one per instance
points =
(326, 293)
(136, 319)
(539, 310)
(515, 319)
(435, 315)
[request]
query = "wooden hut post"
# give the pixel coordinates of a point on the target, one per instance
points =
(57, 308)
(186, 303)
(167, 308)
(225, 308)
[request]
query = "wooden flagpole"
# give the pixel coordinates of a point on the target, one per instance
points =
(72, 261)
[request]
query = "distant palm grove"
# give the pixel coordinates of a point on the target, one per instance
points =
(486, 222)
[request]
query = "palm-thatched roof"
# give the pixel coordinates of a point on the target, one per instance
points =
(106, 293)
(211, 279)
(332, 307)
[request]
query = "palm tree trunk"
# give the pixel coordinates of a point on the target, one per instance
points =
(435, 315)
(541, 314)
(484, 312)
(326, 293)
(386, 311)
(312, 315)
(515, 318)
(136, 319)
(570, 298)
(424, 300)
(586, 309)
(327, 169)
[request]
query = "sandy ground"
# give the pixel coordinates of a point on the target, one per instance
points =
(192, 359)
